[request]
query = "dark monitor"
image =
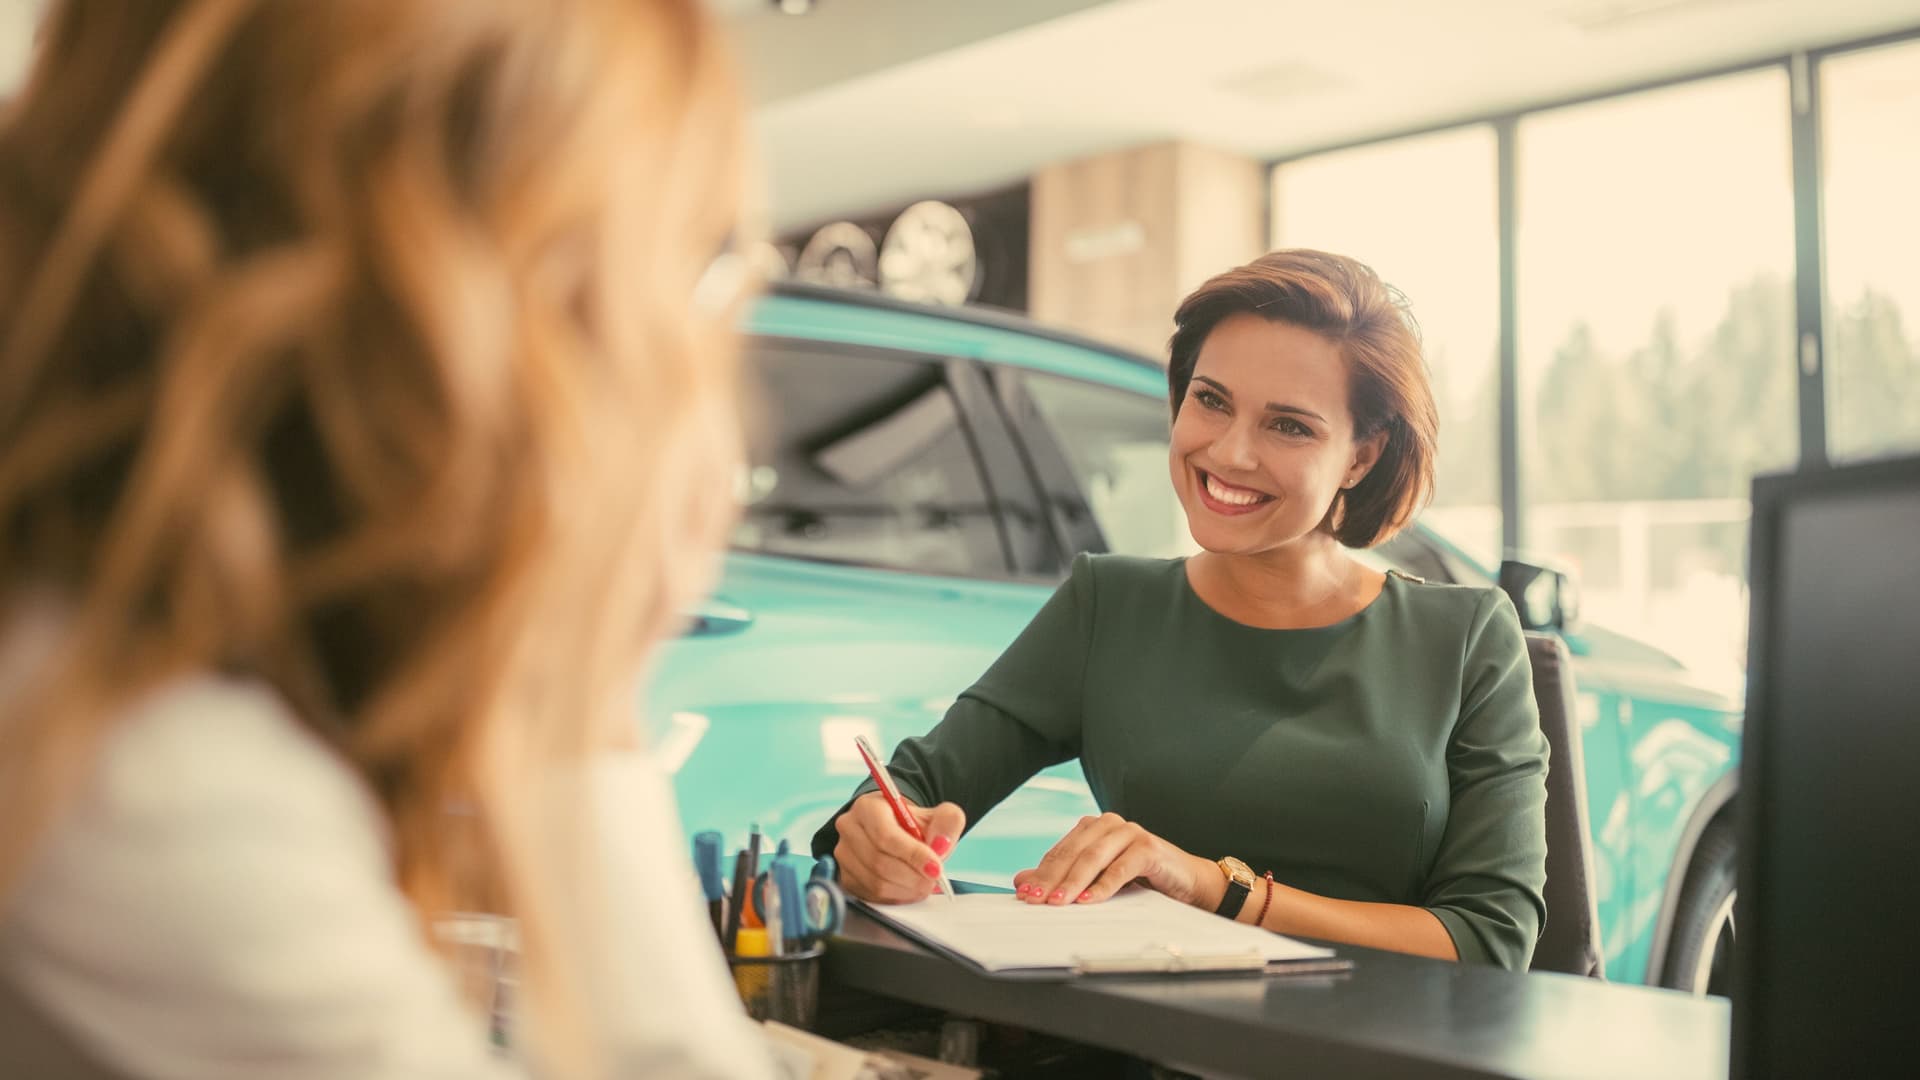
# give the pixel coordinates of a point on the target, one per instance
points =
(1827, 920)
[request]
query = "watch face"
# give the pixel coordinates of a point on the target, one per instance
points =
(1239, 886)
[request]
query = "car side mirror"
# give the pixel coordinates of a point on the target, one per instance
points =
(1546, 597)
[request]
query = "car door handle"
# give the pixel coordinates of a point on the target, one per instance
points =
(715, 618)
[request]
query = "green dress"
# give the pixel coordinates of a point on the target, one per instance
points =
(1394, 756)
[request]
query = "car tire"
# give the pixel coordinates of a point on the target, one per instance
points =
(1700, 950)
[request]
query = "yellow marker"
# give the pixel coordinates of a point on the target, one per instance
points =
(753, 981)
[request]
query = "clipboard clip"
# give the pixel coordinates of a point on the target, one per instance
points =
(1169, 960)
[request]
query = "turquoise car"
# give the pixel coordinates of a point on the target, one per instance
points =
(921, 479)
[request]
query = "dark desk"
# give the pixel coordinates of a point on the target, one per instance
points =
(1393, 1016)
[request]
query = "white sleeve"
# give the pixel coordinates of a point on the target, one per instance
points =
(219, 902)
(657, 975)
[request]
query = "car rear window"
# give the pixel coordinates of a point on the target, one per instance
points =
(863, 456)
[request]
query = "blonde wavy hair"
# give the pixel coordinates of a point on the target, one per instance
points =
(361, 347)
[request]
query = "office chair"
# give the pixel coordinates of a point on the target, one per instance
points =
(1570, 942)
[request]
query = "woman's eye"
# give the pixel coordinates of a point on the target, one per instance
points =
(1291, 427)
(1210, 399)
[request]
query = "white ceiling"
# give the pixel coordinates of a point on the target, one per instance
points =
(839, 40)
(1267, 78)
(866, 104)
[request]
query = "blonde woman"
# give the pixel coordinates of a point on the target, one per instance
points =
(367, 410)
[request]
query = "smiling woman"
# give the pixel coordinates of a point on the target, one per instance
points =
(1367, 741)
(1339, 348)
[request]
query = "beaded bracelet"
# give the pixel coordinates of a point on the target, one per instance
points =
(1261, 919)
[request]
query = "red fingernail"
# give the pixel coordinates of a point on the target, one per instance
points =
(1086, 896)
(1059, 894)
(932, 868)
(1023, 890)
(942, 845)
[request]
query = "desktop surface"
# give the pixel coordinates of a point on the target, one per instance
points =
(1392, 1016)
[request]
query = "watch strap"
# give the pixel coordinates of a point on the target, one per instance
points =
(1237, 889)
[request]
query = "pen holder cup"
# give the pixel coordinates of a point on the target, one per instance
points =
(785, 989)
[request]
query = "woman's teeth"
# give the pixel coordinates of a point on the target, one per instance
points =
(1233, 496)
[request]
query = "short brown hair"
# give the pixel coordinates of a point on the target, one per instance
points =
(1343, 300)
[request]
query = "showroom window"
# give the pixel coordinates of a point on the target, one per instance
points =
(1870, 111)
(863, 457)
(1437, 241)
(1654, 266)
(1116, 444)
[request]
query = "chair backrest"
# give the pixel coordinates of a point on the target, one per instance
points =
(1571, 939)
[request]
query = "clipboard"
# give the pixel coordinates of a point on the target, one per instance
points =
(1173, 939)
(1172, 960)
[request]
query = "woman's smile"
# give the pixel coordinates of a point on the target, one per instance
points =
(1230, 499)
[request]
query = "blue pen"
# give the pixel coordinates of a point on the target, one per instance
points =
(793, 923)
(765, 881)
(774, 919)
(706, 862)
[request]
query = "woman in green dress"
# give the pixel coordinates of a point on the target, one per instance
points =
(1275, 731)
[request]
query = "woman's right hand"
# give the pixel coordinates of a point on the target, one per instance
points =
(881, 862)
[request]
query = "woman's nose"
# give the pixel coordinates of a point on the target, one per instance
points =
(1234, 447)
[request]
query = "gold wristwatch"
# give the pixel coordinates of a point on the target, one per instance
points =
(1239, 886)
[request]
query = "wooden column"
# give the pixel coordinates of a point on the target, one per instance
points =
(1119, 238)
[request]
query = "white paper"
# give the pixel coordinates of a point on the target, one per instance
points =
(1002, 933)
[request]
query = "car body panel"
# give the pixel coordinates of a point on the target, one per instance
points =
(758, 725)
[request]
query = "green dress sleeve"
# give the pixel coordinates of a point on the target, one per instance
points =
(1022, 716)
(1489, 874)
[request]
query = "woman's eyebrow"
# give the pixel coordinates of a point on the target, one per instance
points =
(1272, 406)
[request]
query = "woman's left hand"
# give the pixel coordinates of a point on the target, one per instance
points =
(1103, 853)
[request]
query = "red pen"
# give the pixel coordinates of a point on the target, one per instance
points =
(900, 812)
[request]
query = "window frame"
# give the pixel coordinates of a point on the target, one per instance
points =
(1074, 526)
(1810, 168)
(1804, 116)
(1077, 526)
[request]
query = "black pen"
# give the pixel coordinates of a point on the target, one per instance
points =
(737, 900)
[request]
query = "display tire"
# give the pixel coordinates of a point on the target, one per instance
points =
(1700, 949)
